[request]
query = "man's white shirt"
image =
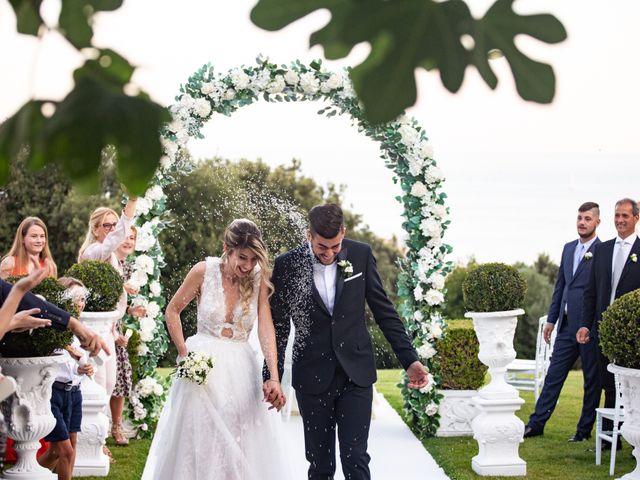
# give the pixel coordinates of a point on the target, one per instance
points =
(324, 278)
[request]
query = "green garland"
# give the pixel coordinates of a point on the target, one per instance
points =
(403, 146)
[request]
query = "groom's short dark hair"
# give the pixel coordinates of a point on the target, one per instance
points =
(586, 206)
(326, 220)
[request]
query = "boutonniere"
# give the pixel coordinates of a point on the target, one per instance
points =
(588, 256)
(633, 257)
(346, 268)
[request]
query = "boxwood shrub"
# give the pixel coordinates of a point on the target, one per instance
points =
(457, 355)
(103, 282)
(40, 342)
(619, 331)
(493, 287)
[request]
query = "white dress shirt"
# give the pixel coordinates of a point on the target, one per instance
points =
(625, 244)
(68, 370)
(324, 278)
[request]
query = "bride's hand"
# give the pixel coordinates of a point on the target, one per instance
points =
(274, 395)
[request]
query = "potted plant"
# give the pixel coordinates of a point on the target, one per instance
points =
(29, 358)
(462, 374)
(105, 286)
(619, 333)
(493, 294)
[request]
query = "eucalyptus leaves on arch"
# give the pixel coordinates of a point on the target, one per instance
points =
(403, 146)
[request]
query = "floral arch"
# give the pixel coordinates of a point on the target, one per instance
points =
(405, 150)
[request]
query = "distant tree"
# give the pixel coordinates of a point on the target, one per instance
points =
(453, 301)
(545, 266)
(536, 304)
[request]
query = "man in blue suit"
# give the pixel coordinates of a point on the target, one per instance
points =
(615, 271)
(565, 314)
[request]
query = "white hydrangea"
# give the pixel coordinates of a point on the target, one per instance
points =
(240, 79)
(185, 104)
(145, 239)
(145, 263)
(277, 85)
(408, 134)
(291, 78)
(155, 288)
(347, 89)
(148, 386)
(207, 88)
(435, 330)
(418, 316)
(170, 147)
(229, 94)
(430, 227)
(202, 107)
(431, 409)
(165, 162)
(439, 211)
(418, 293)
(334, 82)
(143, 206)
(143, 350)
(309, 83)
(426, 351)
(435, 242)
(145, 336)
(416, 164)
(433, 174)
(154, 193)
(434, 297)
(419, 190)
(425, 149)
(429, 386)
(153, 310)
(260, 80)
(139, 278)
(437, 281)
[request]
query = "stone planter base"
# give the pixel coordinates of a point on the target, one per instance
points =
(456, 410)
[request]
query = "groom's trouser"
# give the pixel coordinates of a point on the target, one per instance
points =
(347, 406)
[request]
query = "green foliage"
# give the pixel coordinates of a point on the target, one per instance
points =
(545, 266)
(40, 342)
(47, 194)
(96, 113)
(103, 282)
(619, 331)
(536, 304)
(453, 298)
(134, 359)
(493, 287)
(458, 349)
(421, 33)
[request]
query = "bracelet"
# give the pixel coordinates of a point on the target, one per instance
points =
(273, 380)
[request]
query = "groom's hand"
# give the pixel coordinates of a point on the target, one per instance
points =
(418, 377)
(273, 394)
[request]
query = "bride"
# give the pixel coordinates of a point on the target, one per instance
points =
(223, 430)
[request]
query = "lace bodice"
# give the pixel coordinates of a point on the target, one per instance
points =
(212, 308)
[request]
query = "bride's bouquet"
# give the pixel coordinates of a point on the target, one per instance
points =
(195, 367)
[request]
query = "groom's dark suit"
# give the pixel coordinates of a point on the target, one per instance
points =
(565, 312)
(59, 318)
(597, 297)
(333, 361)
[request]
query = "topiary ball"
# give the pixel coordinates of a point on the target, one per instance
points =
(458, 350)
(619, 331)
(103, 282)
(40, 342)
(493, 287)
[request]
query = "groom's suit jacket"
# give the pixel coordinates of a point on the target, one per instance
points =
(598, 292)
(324, 340)
(568, 293)
(59, 318)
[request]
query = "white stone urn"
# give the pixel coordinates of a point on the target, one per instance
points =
(90, 458)
(28, 412)
(457, 410)
(630, 382)
(496, 428)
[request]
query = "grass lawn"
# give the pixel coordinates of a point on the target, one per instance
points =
(548, 457)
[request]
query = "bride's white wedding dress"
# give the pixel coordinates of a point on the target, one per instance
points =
(221, 430)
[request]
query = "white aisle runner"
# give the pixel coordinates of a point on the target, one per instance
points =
(395, 451)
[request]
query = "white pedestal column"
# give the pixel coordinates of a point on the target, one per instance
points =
(630, 380)
(28, 412)
(90, 459)
(457, 410)
(496, 428)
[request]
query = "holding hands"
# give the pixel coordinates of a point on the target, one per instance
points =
(273, 394)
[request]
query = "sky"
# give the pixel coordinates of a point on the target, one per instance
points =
(515, 171)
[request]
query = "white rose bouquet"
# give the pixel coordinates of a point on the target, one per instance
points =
(196, 367)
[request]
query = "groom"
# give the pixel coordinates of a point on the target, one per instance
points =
(322, 286)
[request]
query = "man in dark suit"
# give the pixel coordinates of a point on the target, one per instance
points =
(615, 271)
(322, 286)
(565, 314)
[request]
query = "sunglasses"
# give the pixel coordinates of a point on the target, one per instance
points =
(109, 226)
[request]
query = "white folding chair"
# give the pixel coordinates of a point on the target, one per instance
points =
(616, 415)
(529, 374)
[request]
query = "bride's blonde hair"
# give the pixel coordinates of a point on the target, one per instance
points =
(243, 233)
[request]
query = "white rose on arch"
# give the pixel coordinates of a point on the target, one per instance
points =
(155, 288)
(277, 85)
(145, 263)
(291, 78)
(430, 227)
(309, 83)
(334, 82)
(431, 409)
(437, 281)
(202, 107)
(426, 351)
(408, 134)
(153, 309)
(434, 297)
(139, 278)
(143, 206)
(418, 293)
(240, 79)
(419, 190)
(429, 386)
